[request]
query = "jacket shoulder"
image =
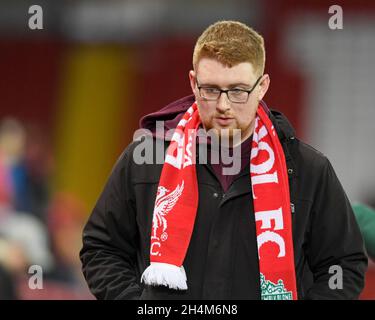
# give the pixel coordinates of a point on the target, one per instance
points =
(143, 159)
(308, 158)
(301, 153)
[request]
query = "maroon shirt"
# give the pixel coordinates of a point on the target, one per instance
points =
(226, 180)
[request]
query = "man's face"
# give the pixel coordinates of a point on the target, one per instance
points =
(222, 113)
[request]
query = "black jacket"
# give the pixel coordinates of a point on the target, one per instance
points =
(222, 258)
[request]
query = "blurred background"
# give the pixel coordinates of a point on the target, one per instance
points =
(71, 96)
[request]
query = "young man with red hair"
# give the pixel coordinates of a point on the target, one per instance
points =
(239, 208)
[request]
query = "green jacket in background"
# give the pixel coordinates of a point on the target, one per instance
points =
(366, 221)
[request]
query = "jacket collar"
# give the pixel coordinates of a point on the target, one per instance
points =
(282, 125)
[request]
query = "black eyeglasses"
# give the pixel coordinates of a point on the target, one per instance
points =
(234, 95)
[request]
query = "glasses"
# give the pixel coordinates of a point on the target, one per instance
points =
(234, 95)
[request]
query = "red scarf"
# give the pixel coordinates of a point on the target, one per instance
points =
(177, 202)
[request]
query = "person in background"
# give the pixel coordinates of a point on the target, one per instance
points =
(12, 264)
(365, 216)
(25, 165)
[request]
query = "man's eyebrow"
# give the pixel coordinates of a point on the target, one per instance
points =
(233, 85)
(239, 84)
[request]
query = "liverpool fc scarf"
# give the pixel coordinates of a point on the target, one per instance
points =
(177, 202)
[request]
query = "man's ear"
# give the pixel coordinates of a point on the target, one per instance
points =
(264, 85)
(192, 81)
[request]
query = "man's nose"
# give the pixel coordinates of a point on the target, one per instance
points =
(223, 104)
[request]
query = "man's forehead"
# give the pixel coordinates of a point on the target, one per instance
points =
(211, 71)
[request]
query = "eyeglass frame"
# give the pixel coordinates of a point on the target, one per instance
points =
(227, 90)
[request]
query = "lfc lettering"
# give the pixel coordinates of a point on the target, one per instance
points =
(265, 176)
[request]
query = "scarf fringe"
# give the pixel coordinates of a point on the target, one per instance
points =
(165, 274)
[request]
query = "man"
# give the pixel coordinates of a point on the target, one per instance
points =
(279, 227)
